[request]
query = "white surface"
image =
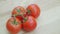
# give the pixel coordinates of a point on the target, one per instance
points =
(48, 22)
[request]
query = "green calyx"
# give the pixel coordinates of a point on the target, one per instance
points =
(25, 19)
(18, 10)
(29, 11)
(15, 22)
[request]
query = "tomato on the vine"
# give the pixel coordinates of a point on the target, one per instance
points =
(33, 10)
(29, 24)
(19, 12)
(13, 25)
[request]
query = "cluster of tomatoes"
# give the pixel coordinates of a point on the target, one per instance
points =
(23, 19)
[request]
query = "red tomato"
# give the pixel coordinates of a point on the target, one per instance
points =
(33, 10)
(19, 12)
(29, 24)
(13, 25)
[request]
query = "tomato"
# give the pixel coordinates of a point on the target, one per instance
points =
(29, 24)
(13, 25)
(19, 12)
(33, 10)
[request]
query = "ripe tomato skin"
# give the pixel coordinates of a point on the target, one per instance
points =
(30, 24)
(34, 10)
(13, 28)
(19, 11)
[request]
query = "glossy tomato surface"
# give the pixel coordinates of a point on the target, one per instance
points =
(33, 10)
(30, 24)
(13, 25)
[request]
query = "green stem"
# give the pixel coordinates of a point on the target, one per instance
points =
(15, 21)
(25, 19)
(28, 11)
